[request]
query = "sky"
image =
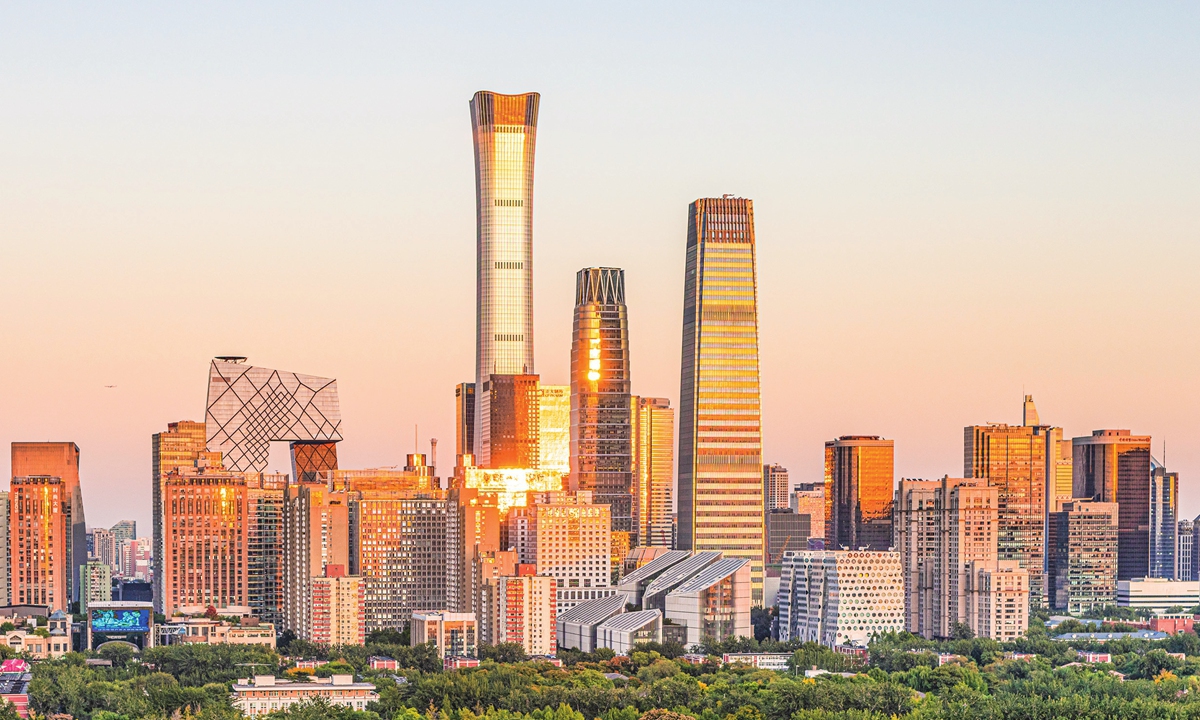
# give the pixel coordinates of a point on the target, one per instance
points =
(955, 203)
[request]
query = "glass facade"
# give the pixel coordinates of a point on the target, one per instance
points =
(653, 469)
(464, 419)
(1164, 509)
(1013, 458)
(859, 475)
(504, 128)
(720, 504)
(555, 428)
(601, 434)
(511, 408)
(1114, 466)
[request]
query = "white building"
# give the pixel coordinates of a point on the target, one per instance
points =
(621, 632)
(525, 613)
(1001, 599)
(714, 603)
(762, 661)
(840, 597)
(265, 694)
(577, 626)
(1158, 593)
(568, 539)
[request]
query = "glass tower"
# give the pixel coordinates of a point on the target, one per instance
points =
(859, 475)
(653, 469)
(1164, 507)
(505, 132)
(1115, 466)
(601, 434)
(720, 505)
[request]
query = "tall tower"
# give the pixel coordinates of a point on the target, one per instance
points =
(1115, 466)
(653, 469)
(720, 504)
(60, 460)
(859, 477)
(504, 128)
(601, 434)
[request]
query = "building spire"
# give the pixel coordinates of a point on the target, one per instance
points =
(1029, 414)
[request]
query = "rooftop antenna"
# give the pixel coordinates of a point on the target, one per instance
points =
(416, 447)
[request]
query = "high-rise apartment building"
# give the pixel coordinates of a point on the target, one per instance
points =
(555, 428)
(1184, 549)
(601, 434)
(1164, 509)
(95, 583)
(489, 568)
(204, 521)
(338, 608)
(464, 418)
(60, 460)
(1114, 466)
(840, 597)
(504, 129)
(1082, 567)
(1002, 601)
(39, 520)
(653, 422)
(316, 535)
(720, 503)
(181, 446)
(525, 613)
(478, 536)
(103, 546)
(124, 530)
(809, 499)
(859, 486)
(1013, 458)
(776, 487)
(264, 544)
(5, 550)
(510, 408)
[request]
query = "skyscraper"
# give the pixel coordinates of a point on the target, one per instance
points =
(464, 418)
(653, 469)
(510, 407)
(39, 524)
(859, 477)
(1114, 466)
(555, 428)
(1164, 509)
(1082, 564)
(601, 436)
(504, 128)
(776, 487)
(720, 502)
(60, 460)
(179, 447)
(1014, 460)
(204, 514)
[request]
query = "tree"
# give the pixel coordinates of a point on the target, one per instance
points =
(760, 620)
(503, 652)
(961, 631)
(118, 653)
(389, 636)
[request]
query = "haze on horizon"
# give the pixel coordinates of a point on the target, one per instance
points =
(954, 205)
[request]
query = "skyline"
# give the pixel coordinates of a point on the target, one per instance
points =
(938, 260)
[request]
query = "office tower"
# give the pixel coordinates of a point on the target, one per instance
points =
(525, 613)
(504, 129)
(401, 544)
(103, 546)
(39, 521)
(338, 608)
(858, 492)
(124, 530)
(249, 407)
(1184, 547)
(840, 597)
(95, 583)
(5, 550)
(653, 441)
(720, 504)
(601, 436)
(264, 544)
(1014, 460)
(60, 460)
(1083, 556)
(181, 446)
(453, 634)
(1114, 466)
(510, 486)
(1164, 508)
(809, 499)
(478, 536)
(204, 516)
(316, 534)
(715, 603)
(510, 408)
(464, 418)
(554, 430)
(776, 487)
(569, 539)
(787, 531)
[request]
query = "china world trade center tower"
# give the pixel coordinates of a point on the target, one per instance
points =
(505, 133)
(720, 501)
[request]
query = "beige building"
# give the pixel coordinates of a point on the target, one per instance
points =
(453, 634)
(95, 583)
(338, 608)
(316, 534)
(776, 487)
(1001, 601)
(204, 631)
(809, 499)
(489, 568)
(525, 613)
(266, 694)
(173, 451)
(653, 470)
(569, 538)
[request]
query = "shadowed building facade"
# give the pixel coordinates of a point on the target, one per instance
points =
(859, 474)
(1113, 466)
(720, 504)
(504, 129)
(601, 432)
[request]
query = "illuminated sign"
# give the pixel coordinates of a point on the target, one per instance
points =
(120, 620)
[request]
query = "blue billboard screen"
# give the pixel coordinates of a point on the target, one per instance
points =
(120, 620)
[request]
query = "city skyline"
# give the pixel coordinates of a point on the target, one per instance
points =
(398, 353)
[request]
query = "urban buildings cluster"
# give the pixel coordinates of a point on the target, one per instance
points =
(579, 515)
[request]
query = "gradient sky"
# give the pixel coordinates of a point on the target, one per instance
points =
(954, 203)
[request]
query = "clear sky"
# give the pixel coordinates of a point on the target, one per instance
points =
(955, 203)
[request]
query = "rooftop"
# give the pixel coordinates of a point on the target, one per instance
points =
(711, 575)
(631, 620)
(594, 611)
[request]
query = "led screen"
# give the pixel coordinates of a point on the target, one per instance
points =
(120, 620)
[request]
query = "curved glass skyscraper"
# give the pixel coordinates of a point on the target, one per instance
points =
(505, 134)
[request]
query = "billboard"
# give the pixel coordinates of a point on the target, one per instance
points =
(120, 620)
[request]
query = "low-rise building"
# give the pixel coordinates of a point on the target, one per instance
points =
(1173, 623)
(265, 694)
(453, 634)
(14, 689)
(1102, 637)
(380, 662)
(206, 631)
(577, 626)
(762, 661)
(621, 632)
(840, 597)
(1158, 594)
(715, 603)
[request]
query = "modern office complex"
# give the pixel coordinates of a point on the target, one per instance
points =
(653, 470)
(554, 430)
(713, 604)
(1157, 594)
(264, 544)
(840, 597)
(248, 407)
(601, 435)
(809, 499)
(504, 129)
(1114, 466)
(859, 474)
(720, 503)
(464, 419)
(1013, 458)
(1082, 556)
(38, 531)
(1164, 509)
